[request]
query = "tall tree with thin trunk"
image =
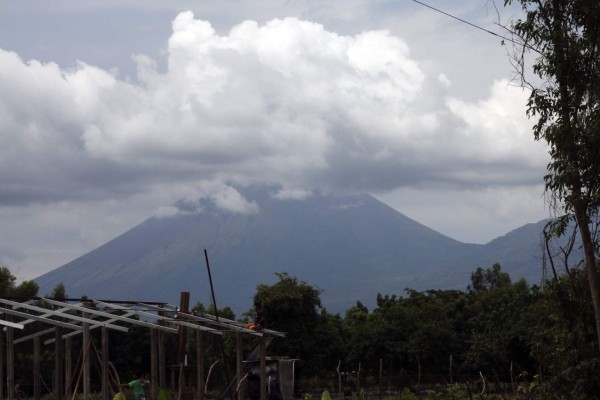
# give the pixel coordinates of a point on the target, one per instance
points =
(564, 36)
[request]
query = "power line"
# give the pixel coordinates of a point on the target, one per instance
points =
(477, 26)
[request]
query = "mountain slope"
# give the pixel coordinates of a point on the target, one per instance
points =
(351, 247)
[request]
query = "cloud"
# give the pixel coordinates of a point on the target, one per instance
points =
(287, 102)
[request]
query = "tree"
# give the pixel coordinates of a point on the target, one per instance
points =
(26, 289)
(490, 278)
(7, 281)
(9, 289)
(565, 34)
(294, 307)
(59, 292)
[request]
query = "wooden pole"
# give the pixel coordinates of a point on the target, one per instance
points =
(2, 380)
(380, 378)
(263, 369)
(10, 364)
(68, 366)
(153, 363)
(238, 369)
(200, 364)
(36, 368)
(58, 365)
(182, 345)
(162, 361)
(340, 394)
(86, 360)
(105, 384)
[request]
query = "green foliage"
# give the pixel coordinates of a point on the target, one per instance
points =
(8, 288)
(566, 36)
(7, 281)
(59, 292)
(539, 342)
(490, 278)
(293, 306)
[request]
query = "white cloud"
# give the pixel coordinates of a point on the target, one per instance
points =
(282, 101)
(286, 102)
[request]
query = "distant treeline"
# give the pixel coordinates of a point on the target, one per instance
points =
(511, 335)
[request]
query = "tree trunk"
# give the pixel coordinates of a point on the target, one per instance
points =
(590, 263)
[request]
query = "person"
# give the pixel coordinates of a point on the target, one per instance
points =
(138, 388)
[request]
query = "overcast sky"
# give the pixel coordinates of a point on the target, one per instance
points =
(110, 111)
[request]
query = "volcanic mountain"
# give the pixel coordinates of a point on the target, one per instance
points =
(349, 246)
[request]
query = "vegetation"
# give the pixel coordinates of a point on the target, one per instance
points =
(565, 37)
(496, 339)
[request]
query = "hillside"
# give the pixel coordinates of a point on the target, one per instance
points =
(352, 247)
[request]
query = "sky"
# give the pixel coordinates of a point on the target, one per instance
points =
(111, 111)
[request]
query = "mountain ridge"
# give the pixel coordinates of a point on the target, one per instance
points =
(350, 246)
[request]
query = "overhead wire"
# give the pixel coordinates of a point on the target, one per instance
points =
(478, 27)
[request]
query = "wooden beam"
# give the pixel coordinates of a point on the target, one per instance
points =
(11, 324)
(45, 313)
(41, 319)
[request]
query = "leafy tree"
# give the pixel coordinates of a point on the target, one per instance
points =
(566, 37)
(294, 307)
(9, 289)
(26, 289)
(59, 292)
(490, 278)
(562, 335)
(7, 281)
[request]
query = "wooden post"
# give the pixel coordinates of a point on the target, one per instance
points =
(340, 393)
(184, 307)
(58, 367)
(36, 368)
(153, 364)
(200, 364)
(162, 362)
(10, 364)
(68, 366)
(263, 369)
(451, 368)
(86, 360)
(239, 361)
(105, 384)
(2, 380)
(380, 378)
(182, 345)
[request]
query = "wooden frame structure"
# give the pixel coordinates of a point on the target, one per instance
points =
(67, 318)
